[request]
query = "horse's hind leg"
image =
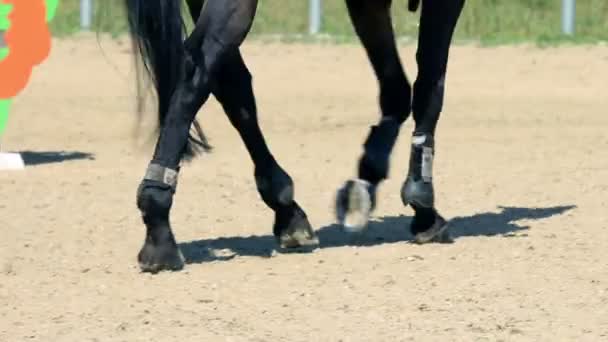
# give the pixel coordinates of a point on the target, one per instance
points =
(224, 25)
(234, 91)
(437, 23)
(372, 22)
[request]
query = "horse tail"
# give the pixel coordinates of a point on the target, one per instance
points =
(412, 5)
(157, 29)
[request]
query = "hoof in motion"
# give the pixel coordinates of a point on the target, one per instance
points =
(437, 233)
(154, 259)
(298, 234)
(354, 204)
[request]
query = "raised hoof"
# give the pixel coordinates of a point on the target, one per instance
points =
(354, 204)
(154, 259)
(298, 234)
(437, 233)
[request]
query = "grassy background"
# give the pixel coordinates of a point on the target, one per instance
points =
(487, 21)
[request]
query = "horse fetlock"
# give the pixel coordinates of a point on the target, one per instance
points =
(373, 167)
(374, 164)
(275, 186)
(417, 193)
(154, 199)
(155, 192)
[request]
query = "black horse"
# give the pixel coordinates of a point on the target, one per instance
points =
(187, 69)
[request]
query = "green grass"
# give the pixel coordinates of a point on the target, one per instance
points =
(486, 21)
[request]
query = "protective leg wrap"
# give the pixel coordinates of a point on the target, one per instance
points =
(418, 190)
(165, 175)
(374, 165)
(155, 193)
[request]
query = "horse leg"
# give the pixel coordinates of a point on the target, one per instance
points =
(372, 22)
(233, 89)
(437, 23)
(222, 27)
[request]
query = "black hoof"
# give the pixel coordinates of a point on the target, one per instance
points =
(166, 257)
(293, 231)
(430, 227)
(354, 204)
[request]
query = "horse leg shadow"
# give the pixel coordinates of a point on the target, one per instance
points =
(383, 230)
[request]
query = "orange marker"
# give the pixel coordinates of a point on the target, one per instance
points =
(29, 41)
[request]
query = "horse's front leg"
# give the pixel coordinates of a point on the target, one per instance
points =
(437, 23)
(155, 193)
(221, 28)
(234, 91)
(372, 22)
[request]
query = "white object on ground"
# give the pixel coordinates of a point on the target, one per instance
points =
(11, 161)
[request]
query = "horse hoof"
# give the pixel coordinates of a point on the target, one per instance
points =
(298, 233)
(354, 204)
(153, 259)
(437, 233)
(299, 240)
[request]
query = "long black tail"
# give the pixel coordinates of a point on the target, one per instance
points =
(158, 31)
(412, 5)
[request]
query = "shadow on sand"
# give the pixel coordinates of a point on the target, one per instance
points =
(31, 158)
(384, 230)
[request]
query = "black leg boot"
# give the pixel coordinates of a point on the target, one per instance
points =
(417, 192)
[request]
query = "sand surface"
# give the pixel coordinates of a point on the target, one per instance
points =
(521, 170)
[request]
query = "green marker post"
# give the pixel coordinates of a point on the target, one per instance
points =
(51, 9)
(4, 103)
(4, 25)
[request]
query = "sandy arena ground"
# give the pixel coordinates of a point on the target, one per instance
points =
(521, 169)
